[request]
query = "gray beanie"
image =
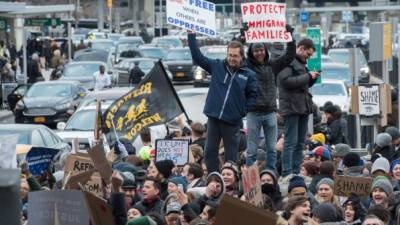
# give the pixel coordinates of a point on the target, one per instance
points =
(383, 140)
(256, 46)
(383, 183)
(327, 181)
(341, 150)
(393, 132)
(381, 163)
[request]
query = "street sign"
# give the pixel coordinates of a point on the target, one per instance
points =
(304, 16)
(314, 62)
(38, 22)
(380, 44)
(3, 24)
(347, 16)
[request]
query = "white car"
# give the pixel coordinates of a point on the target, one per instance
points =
(331, 90)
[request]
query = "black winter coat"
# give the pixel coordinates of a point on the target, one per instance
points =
(294, 82)
(266, 76)
(338, 131)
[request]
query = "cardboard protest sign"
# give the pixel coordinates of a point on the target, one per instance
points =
(70, 206)
(232, 211)
(195, 15)
(100, 162)
(8, 154)
(100, 212)
(345, 185)
(252, 186)
(266, 22)
(80, 178)
(79, 163)
(175, 150)
(39, 159)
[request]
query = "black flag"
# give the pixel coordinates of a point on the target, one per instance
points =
(154, 101)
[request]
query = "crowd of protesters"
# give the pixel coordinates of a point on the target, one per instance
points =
(297, 168)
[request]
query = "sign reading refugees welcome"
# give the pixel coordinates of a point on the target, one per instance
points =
(195, 15)
(266, 22)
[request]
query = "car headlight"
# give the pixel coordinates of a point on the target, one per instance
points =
(199, 74)
(365, 70)
(63, 106)
(20, 105)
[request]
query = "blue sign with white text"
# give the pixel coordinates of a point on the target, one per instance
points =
(39, 159)
(304, 16)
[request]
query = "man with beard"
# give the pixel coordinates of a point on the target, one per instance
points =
(162, 171)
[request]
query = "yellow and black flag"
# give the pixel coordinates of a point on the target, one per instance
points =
(153, 101)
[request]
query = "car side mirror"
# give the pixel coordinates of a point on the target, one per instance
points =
(61, 126)
(109, 72)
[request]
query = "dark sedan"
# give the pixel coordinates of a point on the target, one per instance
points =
(180, 64)
(49, 102)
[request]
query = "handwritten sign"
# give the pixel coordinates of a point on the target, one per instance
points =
(368, 98)
(252, 186)
(266, 22)
(100, 162)
(99, 210)
(232, 211)
(345, 185)
(195, 15)
(175, 150)
(70, 205)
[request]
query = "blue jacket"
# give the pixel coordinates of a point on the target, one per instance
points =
(229, 95)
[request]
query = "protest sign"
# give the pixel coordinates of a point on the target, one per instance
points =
(39, 159)
(345, 185)
(100, 162)
(100, 212)
(252, 186)
(79, 163)
(10, 196)
(8, 154)
(369, 100)
(232, 211)
(266, 22)
(195, 15)
(70, 206)
(80, 178)
(175, 150)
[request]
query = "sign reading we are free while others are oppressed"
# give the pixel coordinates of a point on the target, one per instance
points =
(195, 15)
(266, 22)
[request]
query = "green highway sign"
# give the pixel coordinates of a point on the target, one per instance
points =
(38, 22)
(314, 62)
(3, 24)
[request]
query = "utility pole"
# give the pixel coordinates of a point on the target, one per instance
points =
(77, 5)
(355, 71)
(100, 15)
(234, 12)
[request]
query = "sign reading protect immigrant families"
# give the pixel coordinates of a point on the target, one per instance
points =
(195, 15)
(266, 22)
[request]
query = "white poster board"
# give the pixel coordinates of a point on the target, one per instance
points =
(266, 22)
(195, 15)
(368, 100)
(175, 150)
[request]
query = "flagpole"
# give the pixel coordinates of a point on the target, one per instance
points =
(174, 91)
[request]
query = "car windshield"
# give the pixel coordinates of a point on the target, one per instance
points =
(343, 57)
(50, 90)
(82, 120)
(170, 42)
(23, 135)
(328, 89)
(153, 53)
(177, 55)
(336, 74)
(103, 45)
(145, 65)
(114, 37)
(128, 46)
(216, 55)
(79, 70)
(92, 101)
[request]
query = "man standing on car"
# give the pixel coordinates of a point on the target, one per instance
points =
(263, 114)
(295, 104)
(232, 91)
(136, 74)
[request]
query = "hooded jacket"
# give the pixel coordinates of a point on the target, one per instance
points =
(266, 74)
(294, 82)
(231, 93)
(201, 202)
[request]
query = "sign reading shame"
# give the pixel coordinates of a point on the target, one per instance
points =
(345, 185)
(175, 150)
(368, 97)
(266, 22)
